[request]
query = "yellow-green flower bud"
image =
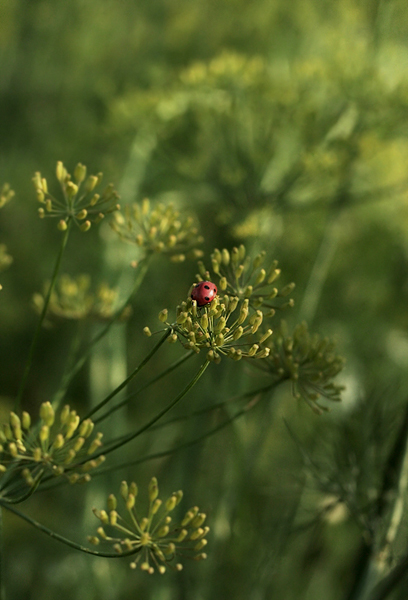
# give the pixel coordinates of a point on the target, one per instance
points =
(62, 225)
(124, 490)
(198, 520)
(47, 413)
(163, 531)
(40, 195)
(223, 283)
(147, 331)
(37, 454)
(243, 313)
(48, 205)
(265, 336)
(258, 260)
(130, 502)
(85, 226)
(225, 257)
(58, 442)
(215, 266)
(260, 277)
(61, 172)
(94, 200)
(26, 420)
(163, 315)
(41, 213)
(16, 425)
(12, 448)
(200, 545)
(82, 214)
(44, 433)
(153, 489)
(71, 189)
(80, 172)
(288, 289)
(90, 184)
(273, 274)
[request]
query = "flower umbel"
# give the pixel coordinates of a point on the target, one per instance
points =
(244, 277)
(155, 538)
(159, 228)
(227, 326)
(79, 200)
(61, 446)
(72, 299)
(309, 361)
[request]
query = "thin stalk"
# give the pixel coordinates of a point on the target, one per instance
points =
(130, 377)
(131, 396)
(66, 541)
(196, 440)
(182, 446)
(70, 374)
(41, 319)
(154, 420)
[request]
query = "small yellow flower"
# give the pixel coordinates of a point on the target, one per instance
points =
(155, 538)
(79, 200)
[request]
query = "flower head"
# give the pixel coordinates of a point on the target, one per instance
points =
(239, 275)
(158, 229)
(308, 361)
(155, 538)
(228, 326)
(57, 446)
(79, 200)
(72, 299)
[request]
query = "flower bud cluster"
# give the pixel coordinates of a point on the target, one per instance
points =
(71, 299)
(239, 275)
(158, 229)
(6, 194)
(155, 538)
(79, 201)
(60, 445)
(309, 361)
(228, 326)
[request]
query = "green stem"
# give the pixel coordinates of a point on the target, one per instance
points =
(154, 420)
(69, 375)
(130, 397)
(64, 540)
(196, 440)
(41, 319)
(130, 377)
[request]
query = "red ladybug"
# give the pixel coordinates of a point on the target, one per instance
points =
(204, 292)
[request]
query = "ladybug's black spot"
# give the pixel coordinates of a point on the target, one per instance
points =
(206, 298)
(207, 287)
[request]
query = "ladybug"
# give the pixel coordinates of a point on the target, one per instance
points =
(204, 292)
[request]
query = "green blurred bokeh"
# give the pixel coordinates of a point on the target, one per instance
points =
(283, 125)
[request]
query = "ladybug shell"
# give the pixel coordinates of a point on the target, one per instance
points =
(204, 292)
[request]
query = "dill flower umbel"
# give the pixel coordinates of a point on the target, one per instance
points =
(227, 326)
(158, 228)
(72, 299)
(239, 275)
(79, 200)
(57, 446)
(157, 540)
(308, 361)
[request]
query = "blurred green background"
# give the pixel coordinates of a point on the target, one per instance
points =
(283, 125)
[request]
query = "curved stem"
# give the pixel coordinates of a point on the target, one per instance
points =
(41, 319)
(64, 540)
(130, 397)
(69, 375)
(196, 440)
(129, 378)
(154, 420)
